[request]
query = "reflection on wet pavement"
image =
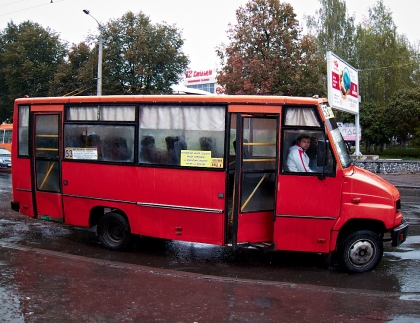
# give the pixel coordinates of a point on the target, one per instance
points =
(398, 270)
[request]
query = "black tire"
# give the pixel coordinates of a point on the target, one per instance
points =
(114, 231)
(360, 251)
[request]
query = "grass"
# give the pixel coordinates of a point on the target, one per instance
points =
(394, 153)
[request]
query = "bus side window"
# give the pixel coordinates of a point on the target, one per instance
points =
(317, 145)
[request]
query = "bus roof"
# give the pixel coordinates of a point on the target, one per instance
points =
(228, 99)
(7, 126)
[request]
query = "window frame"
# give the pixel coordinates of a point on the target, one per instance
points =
(138, 130)
(130, 124)
(309, 130)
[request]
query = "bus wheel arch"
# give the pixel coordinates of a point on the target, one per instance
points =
(113, 231)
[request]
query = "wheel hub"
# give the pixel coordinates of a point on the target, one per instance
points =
(361, 252)
(115, 232)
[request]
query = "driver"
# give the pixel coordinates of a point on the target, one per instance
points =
(297, 159)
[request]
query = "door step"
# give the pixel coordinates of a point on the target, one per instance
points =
(264, 246)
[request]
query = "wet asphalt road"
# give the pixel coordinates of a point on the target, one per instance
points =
(35, 254)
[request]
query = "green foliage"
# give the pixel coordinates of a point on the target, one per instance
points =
(388, 67)
(140, 57)
(395, 153)
(402, 114)
(77, 75)
(266, 54)
(29, 58)
(385, 59)
(372, 123)
(334, 28)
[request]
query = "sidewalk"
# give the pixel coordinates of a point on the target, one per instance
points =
(403, 180)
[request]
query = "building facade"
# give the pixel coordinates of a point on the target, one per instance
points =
(204, 80)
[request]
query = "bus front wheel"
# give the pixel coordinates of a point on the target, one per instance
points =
(360, 251)
(113, 231)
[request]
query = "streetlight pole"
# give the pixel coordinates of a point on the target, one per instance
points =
(100, 45)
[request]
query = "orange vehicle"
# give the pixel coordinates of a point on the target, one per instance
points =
(6, 136)
(207, 169)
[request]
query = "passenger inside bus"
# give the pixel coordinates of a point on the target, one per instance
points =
(116, 149)
(174, 145)
(149, 153)
(297, 159)
(208, 144)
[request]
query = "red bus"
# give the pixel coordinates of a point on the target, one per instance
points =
(206, 169)
(6, 136)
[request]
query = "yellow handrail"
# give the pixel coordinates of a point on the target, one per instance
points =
(253, 192)
(259, 144)
(253, 160)
(46, 176)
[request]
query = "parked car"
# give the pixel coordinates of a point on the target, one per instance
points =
(5, 159)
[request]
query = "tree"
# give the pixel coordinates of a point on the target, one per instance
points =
(29, 58)
(266, 54)
(334, 28)
(140, 57)
(402, 114)
(373, 125)
(77, 75)
(384, 58)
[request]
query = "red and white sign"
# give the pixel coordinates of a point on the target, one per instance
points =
(200, 77)
(203, 79)
(343, 84)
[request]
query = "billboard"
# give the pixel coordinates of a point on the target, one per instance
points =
(343, 84)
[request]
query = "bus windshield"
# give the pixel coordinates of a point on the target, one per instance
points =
(340, 145)
(337, 138)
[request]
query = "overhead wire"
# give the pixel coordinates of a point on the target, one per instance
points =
(40, 5)
(386, 67)
(8, 4)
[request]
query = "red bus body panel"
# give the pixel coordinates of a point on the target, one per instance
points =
(368, 196)
(255, 227)
(307, 209)
(164, 203)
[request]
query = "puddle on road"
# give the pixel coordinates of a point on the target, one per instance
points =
(405, 319)
(410, 297)
(10, 309)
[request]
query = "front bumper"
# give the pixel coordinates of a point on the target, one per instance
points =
(399, 234)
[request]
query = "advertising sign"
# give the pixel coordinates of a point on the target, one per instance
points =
(343, 84)
(348, 131)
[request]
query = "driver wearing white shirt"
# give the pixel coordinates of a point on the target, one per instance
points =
(297, 159)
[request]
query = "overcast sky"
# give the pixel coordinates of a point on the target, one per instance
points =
(203, 23)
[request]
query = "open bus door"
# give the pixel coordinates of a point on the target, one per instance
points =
(255, 179)
(46, 168)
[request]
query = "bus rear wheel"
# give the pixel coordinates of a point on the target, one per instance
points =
(113, 231)
(360, 251)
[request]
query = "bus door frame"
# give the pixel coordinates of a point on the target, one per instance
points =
(264, 220)
(48, 203)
